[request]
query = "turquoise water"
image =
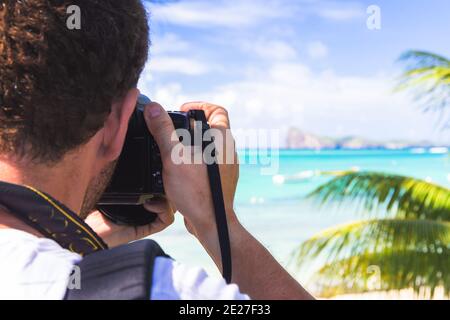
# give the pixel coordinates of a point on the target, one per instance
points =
(280, 217)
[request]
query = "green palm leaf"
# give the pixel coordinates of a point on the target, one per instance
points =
(362, 237)
(425, 58)
(409, 242)
(386, 271)
(409, 254)
(399, 196)
(428, 75)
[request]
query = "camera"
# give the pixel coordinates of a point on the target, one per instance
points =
(138, 174)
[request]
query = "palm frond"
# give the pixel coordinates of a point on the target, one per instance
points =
(425, 58)
(423, 272)
(428, 76)
(409, 254)
(373, 236)
(398, 196)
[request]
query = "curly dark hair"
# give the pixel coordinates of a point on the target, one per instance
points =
(57, 85)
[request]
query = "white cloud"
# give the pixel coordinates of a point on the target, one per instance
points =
(341, 14)
(317, 50)
(270, 49)
(179, 65)
(171, 95)
(168, 43)
(204, 14)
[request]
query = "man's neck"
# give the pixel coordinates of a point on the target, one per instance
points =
(52, 180)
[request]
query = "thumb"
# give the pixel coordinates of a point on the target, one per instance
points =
(161, 127)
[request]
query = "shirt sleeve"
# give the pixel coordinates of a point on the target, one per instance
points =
(33, 268)
(175, 281)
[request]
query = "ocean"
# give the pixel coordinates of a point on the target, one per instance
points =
(278, 214)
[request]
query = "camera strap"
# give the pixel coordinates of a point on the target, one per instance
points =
(50, 218)
(215, 184)
(221, 220)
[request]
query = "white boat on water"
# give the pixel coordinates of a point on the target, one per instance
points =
(439, 150)
(301, 176)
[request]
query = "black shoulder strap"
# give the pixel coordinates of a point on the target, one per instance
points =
(122, 273)
(217, 197)
(50, 217)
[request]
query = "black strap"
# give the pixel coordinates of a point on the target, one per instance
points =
(221, 220)
(50, 217)
(122, 273)
(218, 202)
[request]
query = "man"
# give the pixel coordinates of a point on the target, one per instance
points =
(66, 97)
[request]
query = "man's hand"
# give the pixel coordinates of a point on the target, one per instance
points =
(187, 185)
(218, 119)
(115, 235)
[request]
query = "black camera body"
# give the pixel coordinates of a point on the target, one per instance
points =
(138, 175)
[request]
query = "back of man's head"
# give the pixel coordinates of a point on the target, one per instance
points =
(57, 84)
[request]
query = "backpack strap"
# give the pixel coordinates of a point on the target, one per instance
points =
(121, 273)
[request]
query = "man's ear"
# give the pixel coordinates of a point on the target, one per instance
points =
(116, 125)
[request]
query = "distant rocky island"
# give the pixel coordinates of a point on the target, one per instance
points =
(297, 139)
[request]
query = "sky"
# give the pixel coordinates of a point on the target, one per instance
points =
(311, 64)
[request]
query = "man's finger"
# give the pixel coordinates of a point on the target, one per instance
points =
(161, 127)
(217, 116)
